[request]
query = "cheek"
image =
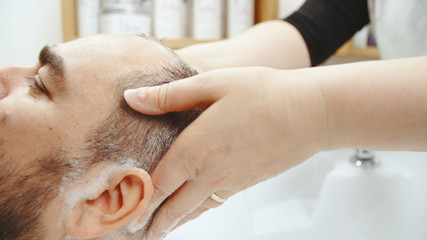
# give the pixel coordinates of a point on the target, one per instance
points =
(29, 130)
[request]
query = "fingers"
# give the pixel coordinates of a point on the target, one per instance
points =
(193, 92)
(173, 171)
(179, 205)
(207, 205)
(177, 175)
(187, 203)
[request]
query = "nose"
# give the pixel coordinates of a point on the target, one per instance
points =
(12, 77)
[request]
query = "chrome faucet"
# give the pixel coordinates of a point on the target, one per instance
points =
(364, 159)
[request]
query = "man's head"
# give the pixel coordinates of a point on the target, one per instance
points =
(74, 158)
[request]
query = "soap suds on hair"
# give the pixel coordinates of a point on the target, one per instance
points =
(89, 189)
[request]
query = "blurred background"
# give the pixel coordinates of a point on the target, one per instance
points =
(28, 25)
(327, 197)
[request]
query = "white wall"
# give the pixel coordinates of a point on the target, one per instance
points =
(26, 26)
(287, 7)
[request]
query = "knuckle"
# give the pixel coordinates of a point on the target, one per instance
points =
(219, 181)
(202, 82)
(162, 96)
(202, 209)
(192, 164)
(209, 83)
(173, 212)
(159, 188)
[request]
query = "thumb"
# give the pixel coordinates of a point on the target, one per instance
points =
(189, 93)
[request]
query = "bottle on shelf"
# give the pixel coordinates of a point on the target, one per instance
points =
(240, 16)
(169, 19)
(208, 19)
(126, 17)
(87, 17)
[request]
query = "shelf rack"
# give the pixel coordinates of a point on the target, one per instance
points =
(264, 10)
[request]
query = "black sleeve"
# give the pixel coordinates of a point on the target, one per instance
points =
(327, 24)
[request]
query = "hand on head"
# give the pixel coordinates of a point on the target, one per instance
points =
(247, 128)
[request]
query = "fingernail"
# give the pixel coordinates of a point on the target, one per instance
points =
(135, 95)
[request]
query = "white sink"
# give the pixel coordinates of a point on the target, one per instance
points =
(326, 197)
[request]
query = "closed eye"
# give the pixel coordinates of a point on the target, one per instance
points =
(36, 86)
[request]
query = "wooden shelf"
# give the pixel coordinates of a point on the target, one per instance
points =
(180, 43)
(349, 50)
(69, 20)
(264, 10)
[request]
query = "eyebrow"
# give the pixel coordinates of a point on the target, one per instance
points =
(47, 57)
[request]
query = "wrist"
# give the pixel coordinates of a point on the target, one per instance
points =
(309, 109)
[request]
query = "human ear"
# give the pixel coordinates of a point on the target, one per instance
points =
(115, 204)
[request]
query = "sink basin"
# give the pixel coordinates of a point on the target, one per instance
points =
(327, 197)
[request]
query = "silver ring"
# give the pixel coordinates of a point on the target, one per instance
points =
(217, 198)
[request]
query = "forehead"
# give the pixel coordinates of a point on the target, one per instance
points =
(112, 52)
(91, 67)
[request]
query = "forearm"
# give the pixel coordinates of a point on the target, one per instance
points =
(374, 105)
(275, 44)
